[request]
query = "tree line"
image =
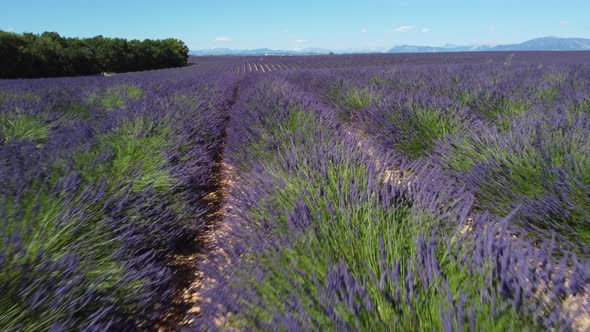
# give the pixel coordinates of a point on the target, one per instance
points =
(49, 54)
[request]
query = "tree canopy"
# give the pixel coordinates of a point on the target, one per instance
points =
(49, 54)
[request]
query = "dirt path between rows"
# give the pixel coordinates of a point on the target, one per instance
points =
(192, 255)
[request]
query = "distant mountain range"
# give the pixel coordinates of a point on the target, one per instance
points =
(258, 51)
(268, 51)
(539, 44)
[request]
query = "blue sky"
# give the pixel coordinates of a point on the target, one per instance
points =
(304, 23)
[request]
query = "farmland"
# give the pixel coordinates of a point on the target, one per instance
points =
(325, 193)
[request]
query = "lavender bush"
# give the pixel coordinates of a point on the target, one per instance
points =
(333, 245)
(101, 181)
(366, 192)
(335, 241)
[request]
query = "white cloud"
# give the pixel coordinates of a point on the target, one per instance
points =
(426, 30)
(224, 39)
(285, 30)
(404, 28)
(364, 30)
(563, 23)
(300, 41)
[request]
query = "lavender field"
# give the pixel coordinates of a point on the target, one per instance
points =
(404, 192)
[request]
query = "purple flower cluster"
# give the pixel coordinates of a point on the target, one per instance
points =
(87, 230)
(362, 192)
(442, 161)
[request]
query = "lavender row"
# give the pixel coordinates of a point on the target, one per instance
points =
(271, 63)
(516, 137)
(102, 180)
(322, 237)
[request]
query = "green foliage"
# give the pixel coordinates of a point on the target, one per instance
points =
(554, 77)
(420, 128)
(585, 106)
(350, 99)
(115, 97)
(382, 82)
(73, 110)
(548, 95)
(18, 126)
(499, 110)
(133, 147)
(581, 105)
(49, 54)
(296, 127)
(518, 169)
(112, 101)
(133, 92)
(47, 240)
(52, 224)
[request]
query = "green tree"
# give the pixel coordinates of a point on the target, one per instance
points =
(49, 54)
